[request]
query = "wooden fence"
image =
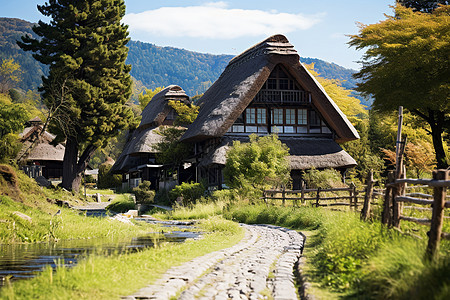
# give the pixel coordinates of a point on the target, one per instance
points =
(394, 197)
(317, 197)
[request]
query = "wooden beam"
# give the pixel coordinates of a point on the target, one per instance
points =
(416, 220)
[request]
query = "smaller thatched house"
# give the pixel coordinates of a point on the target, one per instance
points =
(267, 90)
(38, 157)
(138, 159)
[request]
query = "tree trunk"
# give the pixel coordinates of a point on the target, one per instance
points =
(70, 163)
(436, 119)
(73, 167)
(436, 134)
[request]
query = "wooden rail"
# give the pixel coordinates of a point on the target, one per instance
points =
(318, 197)
(440, 182)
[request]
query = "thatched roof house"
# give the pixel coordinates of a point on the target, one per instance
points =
(263, 90)
(137, 161)
(37, 150)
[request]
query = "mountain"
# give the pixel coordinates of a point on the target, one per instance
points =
(152, 65)
(10, 31)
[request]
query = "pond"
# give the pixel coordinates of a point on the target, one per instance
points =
(22, 261)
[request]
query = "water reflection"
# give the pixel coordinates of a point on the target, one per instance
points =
(21, 261)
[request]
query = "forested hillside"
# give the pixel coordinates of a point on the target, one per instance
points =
(152, 65)
(10, 31)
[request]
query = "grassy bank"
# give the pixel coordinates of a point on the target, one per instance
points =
(27, 214)
(110, 277)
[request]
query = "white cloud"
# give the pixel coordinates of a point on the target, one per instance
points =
(215, 20)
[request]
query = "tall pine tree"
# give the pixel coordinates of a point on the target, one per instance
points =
(88, 83)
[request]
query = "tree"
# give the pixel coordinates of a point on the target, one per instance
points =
(349, 105)
(10, 74)
(88, 83)
(12, 119)
(406, 64)
(254, 166)
(426, 6)
(170, 150)
(144, 99)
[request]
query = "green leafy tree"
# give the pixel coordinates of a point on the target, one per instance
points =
(406, 64)
(258, 164)
(10, 74)
(12, 117)
(88, 83)
(145, 98)
(186, 113)
(12, 120)
(170, 150)
(106, 179)
(361, 151)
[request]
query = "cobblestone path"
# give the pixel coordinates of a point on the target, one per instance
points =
(259, 266)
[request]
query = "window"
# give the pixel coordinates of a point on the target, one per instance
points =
(290, 116)
(277, 116)
(314, 118)
(252, 120)
(302, 116)
(261, 113)
(250, 114)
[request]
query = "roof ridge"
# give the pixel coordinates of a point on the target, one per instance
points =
(275, 44)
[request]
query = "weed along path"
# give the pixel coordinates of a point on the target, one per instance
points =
(258, 267)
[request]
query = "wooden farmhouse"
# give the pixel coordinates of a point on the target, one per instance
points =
(267, 90)
(138, 159)
(38, 156)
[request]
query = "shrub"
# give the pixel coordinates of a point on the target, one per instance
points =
(124, 204)
(189, 192)
(143, 193)
(328, 178)
(106, 179)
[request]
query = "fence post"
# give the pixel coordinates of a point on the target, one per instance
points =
(303, 193)
(351, 194)
(386, 215)
(398, 190)
(318, 197)
(365, 212)
(434, 236)
(283, 195)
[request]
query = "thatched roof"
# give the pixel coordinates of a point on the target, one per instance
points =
(306, 153)
(41, 149)
(143, 139)
(158, 108)
(242, 79)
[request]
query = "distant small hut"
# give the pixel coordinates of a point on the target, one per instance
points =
(267, 90)
(138, 159)
(38, 157)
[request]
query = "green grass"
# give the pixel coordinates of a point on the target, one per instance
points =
(200, 210)
(110, 277)
(122, 203)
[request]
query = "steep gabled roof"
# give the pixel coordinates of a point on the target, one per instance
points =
(40, 149)
(158, 108)
(242, 79)
(146, 136)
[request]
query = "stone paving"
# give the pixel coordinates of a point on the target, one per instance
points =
(258, 267)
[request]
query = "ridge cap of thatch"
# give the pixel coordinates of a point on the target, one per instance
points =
(158, 108)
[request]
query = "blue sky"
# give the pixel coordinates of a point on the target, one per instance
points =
(316, 28)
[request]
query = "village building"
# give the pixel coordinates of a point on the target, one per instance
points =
(267, 90)
(38, 156)
(137, 161)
